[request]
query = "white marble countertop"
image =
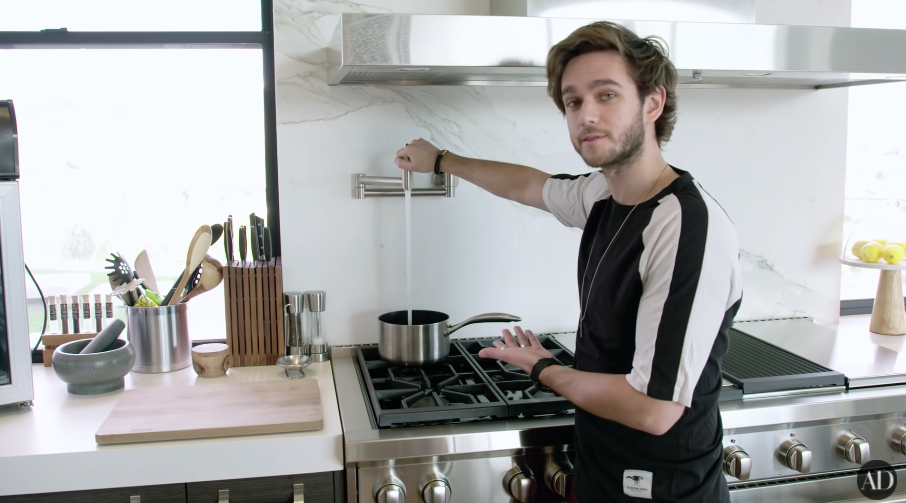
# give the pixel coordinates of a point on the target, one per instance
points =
(50, 447)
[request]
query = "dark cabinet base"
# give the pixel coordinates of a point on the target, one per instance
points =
(169, 493)
(317, 487)
(326, 487)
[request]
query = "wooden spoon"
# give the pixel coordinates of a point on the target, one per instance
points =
(211, 276)
(198, 248)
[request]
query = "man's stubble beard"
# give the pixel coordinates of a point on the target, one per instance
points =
(628, 149)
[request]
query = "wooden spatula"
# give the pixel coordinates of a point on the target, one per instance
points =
(142, 266)
(198, 248)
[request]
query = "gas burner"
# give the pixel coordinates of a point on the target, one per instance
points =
(523, 397)
(462, 388)
(451, 391)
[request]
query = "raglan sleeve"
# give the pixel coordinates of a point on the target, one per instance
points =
(690, 284)
(570, 197)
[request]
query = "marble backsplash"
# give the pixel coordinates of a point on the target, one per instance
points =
(775, 160)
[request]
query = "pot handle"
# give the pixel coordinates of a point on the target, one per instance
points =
(482, 318)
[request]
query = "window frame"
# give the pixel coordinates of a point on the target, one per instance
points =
(61, 38)
(858, 306)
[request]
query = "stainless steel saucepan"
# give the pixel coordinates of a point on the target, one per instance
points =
(427, 340)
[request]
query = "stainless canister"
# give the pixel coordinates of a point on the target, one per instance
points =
(160, 336)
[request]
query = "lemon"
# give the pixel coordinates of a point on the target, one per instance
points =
(893, 254)
(857, 248)
(901, 244)
(871, 252)
(882, 242)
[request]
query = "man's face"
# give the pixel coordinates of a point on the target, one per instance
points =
(603, 110)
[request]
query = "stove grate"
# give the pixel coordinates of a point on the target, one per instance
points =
(451, 391)
(523, 398)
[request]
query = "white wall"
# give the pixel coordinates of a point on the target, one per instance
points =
(774, 159)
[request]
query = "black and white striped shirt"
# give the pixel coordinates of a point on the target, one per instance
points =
(658, 309)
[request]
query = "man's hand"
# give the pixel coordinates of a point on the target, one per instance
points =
(418, 155)
(524, 354)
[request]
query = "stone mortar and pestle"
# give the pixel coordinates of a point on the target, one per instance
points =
(98, 365)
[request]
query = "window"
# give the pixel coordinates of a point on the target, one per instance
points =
(876, 150)
(132, 144)
(117, 15)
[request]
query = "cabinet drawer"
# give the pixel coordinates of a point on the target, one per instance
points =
(169, 493)
(317, 487)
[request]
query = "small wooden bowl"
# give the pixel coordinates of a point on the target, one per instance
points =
(211, 360)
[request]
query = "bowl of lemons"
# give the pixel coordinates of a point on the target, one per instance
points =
(877, 239)
(875, 251)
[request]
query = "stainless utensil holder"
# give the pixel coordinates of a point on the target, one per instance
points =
(160, 336)
(383, 186)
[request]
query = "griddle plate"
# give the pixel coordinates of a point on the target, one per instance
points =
(760, 367)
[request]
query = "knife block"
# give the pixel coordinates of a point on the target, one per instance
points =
(253, 301)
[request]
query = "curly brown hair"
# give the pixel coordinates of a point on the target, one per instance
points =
(649, 64)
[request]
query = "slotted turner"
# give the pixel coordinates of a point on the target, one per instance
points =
(198, 248)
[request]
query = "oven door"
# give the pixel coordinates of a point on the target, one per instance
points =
(15, 353)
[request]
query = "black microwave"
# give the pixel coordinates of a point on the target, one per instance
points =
(9, 148)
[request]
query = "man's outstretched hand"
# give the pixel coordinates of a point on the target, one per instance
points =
(523, 351)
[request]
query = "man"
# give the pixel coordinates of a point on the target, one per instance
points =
(658, 273)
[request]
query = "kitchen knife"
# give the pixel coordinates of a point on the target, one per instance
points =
(232, 236)
(226, 241)
(260, 223)
(253, 235)
(253, 242)
(242, 244)
(268, 250)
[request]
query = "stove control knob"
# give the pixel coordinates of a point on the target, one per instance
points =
(796, 455)
(558, 473)
(898, 439)
(520, 484)
(390, 493)
(437, 491)
(737, 462)
(852, 448)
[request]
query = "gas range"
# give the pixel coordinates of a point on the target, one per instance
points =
(472, 429)
(463, 388)
(465, 429)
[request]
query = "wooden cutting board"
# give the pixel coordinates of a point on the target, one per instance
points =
(215, 410)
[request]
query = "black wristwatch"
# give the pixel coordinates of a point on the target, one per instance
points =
(536, 372)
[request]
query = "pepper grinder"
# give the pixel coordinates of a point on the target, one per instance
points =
(293, 311)
(317, 341)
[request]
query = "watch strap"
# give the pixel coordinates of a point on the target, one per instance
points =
(440, 156)
(538, 367)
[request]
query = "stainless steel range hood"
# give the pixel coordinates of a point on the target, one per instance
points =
(424, 50)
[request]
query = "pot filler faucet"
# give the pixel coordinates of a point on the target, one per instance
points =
(381, 186)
